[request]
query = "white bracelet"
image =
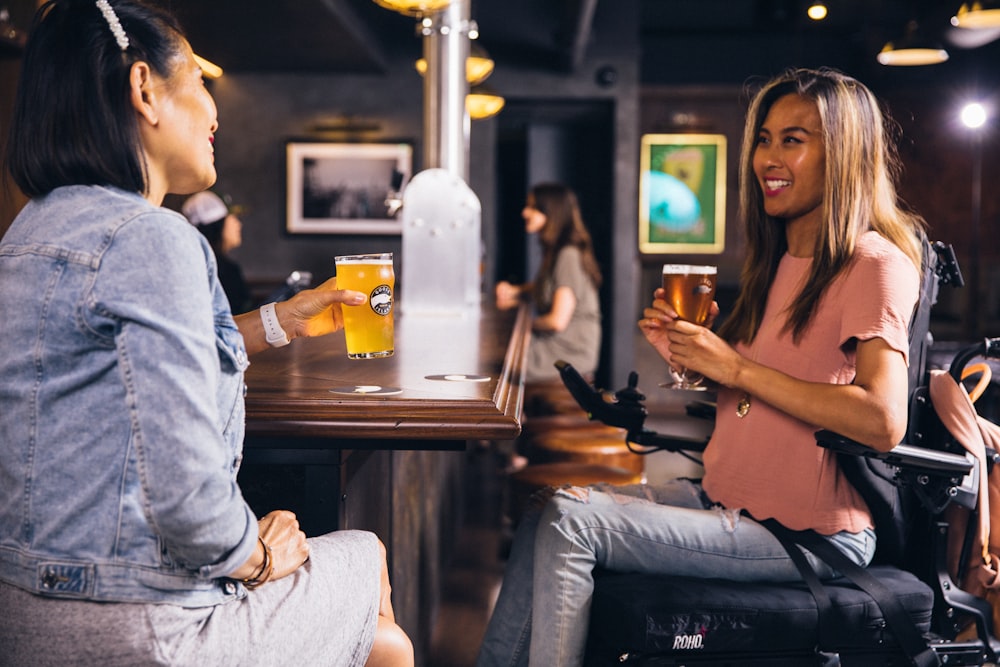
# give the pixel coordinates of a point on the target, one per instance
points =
(275, 335)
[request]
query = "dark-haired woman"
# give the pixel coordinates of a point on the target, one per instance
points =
(567, 323)
(124, 539)
(817, 339)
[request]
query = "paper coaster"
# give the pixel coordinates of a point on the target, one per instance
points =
(459, 377)
(367, 390)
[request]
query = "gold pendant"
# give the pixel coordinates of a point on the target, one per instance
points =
(743, 406)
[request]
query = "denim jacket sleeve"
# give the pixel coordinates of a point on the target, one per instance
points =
(154, 295)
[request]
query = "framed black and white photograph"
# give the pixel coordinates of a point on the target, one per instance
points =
(344, 188)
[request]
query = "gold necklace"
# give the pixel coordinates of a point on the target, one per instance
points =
(743, 406)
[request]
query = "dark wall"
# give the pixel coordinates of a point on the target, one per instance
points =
(258, 112)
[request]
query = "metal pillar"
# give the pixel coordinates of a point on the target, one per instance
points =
(446, 122)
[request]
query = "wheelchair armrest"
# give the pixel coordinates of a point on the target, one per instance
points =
(917, 459)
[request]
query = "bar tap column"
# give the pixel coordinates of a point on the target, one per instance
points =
(442, 216)
(446, 37)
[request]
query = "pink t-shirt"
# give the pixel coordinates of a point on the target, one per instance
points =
(769, 463)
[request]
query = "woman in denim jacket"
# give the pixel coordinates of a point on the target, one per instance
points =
(124, 539)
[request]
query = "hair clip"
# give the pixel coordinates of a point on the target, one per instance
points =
(116, 26)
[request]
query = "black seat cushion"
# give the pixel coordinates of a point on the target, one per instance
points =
(643, 614)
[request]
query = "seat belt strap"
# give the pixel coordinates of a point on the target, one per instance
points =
(902, 626)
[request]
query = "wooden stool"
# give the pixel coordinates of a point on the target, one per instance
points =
(564, 423)
(609, 449)
(533, 478)
(547, 398)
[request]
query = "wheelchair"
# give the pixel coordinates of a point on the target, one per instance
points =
(904, 609)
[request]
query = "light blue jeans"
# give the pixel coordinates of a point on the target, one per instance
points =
(669, 529)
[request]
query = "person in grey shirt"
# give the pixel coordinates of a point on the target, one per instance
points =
(567, 322)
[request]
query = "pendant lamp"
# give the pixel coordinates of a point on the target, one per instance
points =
(912, 49)
(414, 7)
(975, 15)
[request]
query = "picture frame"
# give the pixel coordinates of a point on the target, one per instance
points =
(682, 194)
(344, 188)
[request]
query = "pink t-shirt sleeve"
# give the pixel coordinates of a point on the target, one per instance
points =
(878, 296)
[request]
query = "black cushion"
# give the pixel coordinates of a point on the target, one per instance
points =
(643, 614)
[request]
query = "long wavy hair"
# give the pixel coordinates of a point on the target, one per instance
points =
(564, 226)
(860, 195)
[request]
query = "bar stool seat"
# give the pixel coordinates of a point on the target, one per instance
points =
(607, 449)
(547, 398)
(535, 477)
(542, 425)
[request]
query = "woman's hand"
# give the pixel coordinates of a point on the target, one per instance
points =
(699, 350)
(311, 312)
(279, 530)
(289, 550)
(317, 312)
(658, 319)
(508, 295)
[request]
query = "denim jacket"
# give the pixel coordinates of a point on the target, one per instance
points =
(121, 406)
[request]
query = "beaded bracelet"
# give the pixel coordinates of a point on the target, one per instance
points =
(266, 568)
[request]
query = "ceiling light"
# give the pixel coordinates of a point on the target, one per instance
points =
(977, 15)
(816, 11)
(913, 49)
(482, 102)
(414, 7)
(973, 115)
(208, 68)
(478, 66)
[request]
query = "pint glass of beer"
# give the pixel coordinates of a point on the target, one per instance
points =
(690, 289)
(368, 328)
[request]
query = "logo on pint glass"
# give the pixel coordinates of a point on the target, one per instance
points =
(381, 299)
(702, 288)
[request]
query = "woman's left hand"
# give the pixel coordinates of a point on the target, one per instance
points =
(700, 350)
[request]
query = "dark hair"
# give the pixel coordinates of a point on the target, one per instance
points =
(563, 227)
(73, 123)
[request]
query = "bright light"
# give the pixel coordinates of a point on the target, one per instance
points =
(817, 11)
(973, 115)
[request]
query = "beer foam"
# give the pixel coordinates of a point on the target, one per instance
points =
(689, 268)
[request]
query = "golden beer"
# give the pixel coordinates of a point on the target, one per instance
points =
(368, 328)
(690, 290)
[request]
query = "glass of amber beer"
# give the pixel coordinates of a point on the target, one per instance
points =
(368, 328)
(690, 290)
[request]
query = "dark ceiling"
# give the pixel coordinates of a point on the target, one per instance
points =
(682, 41)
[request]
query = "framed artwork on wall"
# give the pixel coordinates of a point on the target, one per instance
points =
(682, 193)
(342, 188)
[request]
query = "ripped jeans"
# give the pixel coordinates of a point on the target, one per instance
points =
(672, 528)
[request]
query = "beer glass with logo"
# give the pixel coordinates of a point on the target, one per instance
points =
(690, 289)
(368, 328)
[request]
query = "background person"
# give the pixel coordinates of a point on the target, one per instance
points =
(224, 231)
(567, 323)
(124, 538)
(817, 339)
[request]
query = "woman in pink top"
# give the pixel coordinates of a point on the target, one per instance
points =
(817, 339)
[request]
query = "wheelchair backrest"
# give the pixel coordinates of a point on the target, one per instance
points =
(889, 504)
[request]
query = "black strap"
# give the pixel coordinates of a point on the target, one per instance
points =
(827, 642)
(902, 626)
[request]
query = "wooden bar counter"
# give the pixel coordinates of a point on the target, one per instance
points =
(391, 462)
